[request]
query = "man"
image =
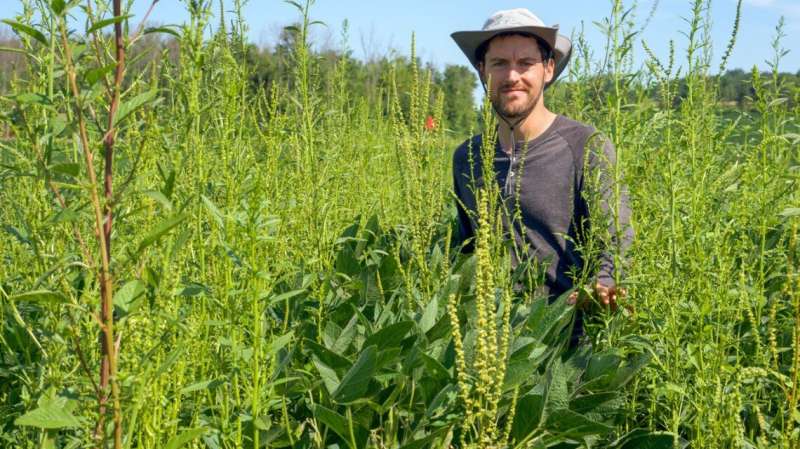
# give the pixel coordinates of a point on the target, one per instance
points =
(519, 57)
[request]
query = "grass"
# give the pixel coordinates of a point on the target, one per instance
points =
(282, 273)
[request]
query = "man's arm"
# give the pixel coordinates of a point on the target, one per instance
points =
(610, 215)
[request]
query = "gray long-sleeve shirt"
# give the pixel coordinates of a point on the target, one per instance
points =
(552, 198)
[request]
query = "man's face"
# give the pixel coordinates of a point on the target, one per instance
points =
(517, 75)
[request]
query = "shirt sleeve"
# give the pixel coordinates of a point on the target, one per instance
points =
(613, 207)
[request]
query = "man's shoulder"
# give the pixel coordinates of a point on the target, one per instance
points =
(574, 132)
(461, 155)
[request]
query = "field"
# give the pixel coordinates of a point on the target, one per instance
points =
(191, 259)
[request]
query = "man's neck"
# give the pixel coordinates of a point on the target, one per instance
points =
(528, 129)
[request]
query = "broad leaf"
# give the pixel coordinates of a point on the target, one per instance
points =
(327, 374)
(355, 382)
(574, 424)
(333, 420)
(528, 416)
(53, 412)
(129, 106)
(327, 356)
(590, 402)
(644, 439)
(125, 298)
(390, 336)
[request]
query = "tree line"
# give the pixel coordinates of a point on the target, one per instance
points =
(370, 79)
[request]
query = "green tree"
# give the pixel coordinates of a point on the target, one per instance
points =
(459, 109)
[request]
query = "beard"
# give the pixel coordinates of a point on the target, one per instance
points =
(516, 110)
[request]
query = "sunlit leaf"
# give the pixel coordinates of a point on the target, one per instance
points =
(106, 22)
(21, 28)
(126, 108)
(125, 298)
(53, 412)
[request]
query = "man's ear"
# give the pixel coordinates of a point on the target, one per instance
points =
(549, 70)
(481, 75)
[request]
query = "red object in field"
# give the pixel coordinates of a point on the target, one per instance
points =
(430, 123)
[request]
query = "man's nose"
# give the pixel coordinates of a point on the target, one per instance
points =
(513, 73)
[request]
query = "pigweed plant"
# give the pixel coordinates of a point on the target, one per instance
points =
(197, 255)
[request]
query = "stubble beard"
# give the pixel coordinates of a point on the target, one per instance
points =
(517, 111)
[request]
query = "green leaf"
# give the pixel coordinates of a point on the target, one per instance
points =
(518, 371)
(31, 97)
(434, 368)
(53, 412)
(355, 381)
(426, 441)
(93, 76)
(171, 359)
(528, 416)
(163, 228)
(57, 6)
(42, 296)
(625, 373)
(428, 318)
(67, 168)
(128, 107)
(556, 386)
(345, 337)
(279, 343)
(163, 29)
(790, 212)
(202, 385)
(286, 295)
(327, 374)
(159, 198)
(180, 440)
(333, 420)
(14, 50)
(589, 402)
(602, 364)
(546, 319)
(327, 356)
(106, 22)
(214, 211)
(125, 298)
(26, 29)
(575, 425)
(390, 336)
(644, 439)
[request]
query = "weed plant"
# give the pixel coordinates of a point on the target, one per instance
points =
(281, 273)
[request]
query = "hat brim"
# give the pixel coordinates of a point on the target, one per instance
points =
(469, 41)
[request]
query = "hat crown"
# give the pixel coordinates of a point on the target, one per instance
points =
(511, 18)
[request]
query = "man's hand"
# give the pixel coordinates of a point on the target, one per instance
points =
(607, 296)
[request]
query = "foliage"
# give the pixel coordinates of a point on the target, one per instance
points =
(282, 268)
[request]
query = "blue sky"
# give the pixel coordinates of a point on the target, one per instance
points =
(380, 26)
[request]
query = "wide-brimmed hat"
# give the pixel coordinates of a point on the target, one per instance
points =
(516, 20)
